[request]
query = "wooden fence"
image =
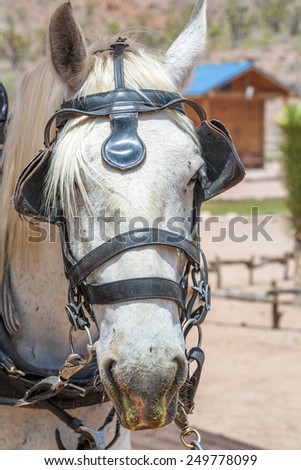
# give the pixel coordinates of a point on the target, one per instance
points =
(274, 297)
(251, 264)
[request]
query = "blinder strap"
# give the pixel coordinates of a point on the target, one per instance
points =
(77, 273)
(134, 289)
(119, 48)
(4, 106)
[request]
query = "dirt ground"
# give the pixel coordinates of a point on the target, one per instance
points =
(250, 389)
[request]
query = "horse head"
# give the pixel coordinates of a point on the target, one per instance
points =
(122, 177)
(140, 349)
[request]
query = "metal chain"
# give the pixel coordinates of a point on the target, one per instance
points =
(186, 430)
(76, 308)
(200, 291)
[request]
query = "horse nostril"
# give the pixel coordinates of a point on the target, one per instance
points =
(182, 369)
(108, 368)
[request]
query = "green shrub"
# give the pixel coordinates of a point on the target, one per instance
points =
(290, 123)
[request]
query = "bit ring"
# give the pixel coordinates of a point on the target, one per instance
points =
(188, 432)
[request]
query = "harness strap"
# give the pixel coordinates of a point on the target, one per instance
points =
(134, 289)
(114, 102)
(14, 388)
(119, 47)
(76, 273)
(120, 101)
(95, 439)
(123, 100)
(9, 313)
(188, 390)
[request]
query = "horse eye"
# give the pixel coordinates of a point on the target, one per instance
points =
(194, 178)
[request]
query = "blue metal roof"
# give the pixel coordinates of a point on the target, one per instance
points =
(209, 76)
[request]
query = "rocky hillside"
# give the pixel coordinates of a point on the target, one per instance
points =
(234, 33)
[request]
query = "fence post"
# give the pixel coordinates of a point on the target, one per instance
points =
(286, 265)
(218, 272)
(250, 265)
(276, 315)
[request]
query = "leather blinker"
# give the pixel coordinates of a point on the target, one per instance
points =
(223, 167)
(28, 196)
(123, 149)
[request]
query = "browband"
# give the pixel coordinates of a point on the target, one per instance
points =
(115, 102)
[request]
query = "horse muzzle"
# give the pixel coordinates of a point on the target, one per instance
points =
(145, 399)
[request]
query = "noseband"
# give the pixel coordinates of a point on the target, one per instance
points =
(124, 150)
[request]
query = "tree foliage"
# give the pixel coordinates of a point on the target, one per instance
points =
(294, 18)
(13, 45)
(290, 123)
(239, 18)
(273, 12)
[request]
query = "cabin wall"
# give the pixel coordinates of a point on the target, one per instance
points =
(245, 121)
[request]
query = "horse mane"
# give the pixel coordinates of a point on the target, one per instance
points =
(40, 94)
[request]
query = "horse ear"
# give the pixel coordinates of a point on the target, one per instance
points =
(68, 47)
(184, 53)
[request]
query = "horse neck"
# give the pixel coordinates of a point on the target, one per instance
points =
(39, 293)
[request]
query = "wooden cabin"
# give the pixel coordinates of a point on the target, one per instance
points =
(236, 94)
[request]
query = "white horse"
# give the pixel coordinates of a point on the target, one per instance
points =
(140, 346)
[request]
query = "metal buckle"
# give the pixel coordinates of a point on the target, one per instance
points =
(74, 310)
(7, 364)
(204, 291)
(96, 439)
(75, 362)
